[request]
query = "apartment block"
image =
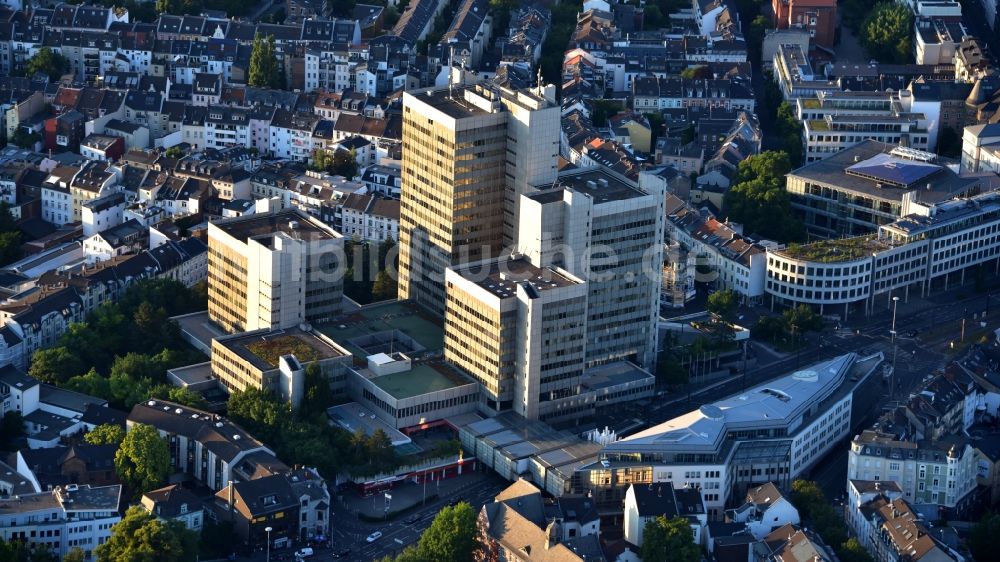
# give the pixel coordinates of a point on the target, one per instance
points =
(273, 270)
(941, 472)
(981, 148)
(468, 153)
(818, 17)
(68, 517)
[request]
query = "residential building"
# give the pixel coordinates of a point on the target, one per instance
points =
(819, 17)
(646, 502)
(859, 510)
(941, 472)
(68, 517)
(764, 510)
(519, 525)
(102, 148)
(273, 270)
(651, 93)
(981, 148)
(897, 533)
(209, 448)
(174, 503)
(49, 468)
(369, 217)
(792, 542)
(497, 142)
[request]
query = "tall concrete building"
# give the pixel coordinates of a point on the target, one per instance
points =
(468, 153)
(272, 271)
(518, 329)
(605, 229)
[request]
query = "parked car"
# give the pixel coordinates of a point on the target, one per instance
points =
(412, 519)
(374, 536)
(342, 553)
(303, 553)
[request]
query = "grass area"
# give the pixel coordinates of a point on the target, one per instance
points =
(818, 125)
(831, 251)
(810, 103)
(423, 329)
(272, 349)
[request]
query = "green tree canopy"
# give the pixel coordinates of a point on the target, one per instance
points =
(55, 365)
(48, 62)
(385, 286)
(141, 537)
(984, 540)
(697, 72)
(143, 460)
(265, 70)
(886, 32)
(723, 304)
(759, 201)
(105, 434)
(450, 538)
(669, 540)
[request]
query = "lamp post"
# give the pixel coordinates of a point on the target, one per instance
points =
(268, 531)
(892, 379)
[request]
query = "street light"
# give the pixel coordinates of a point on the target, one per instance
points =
(892, 378)
(268, 531)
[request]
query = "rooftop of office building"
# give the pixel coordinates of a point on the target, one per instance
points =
(959, 211)
(455, 102)
(502, 277)
(263, 349)
(836, 250)
(770, 404)
(290, 222)
(886, 172)
(387, 328)
(421, 378)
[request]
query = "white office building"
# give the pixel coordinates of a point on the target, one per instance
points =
(62, 519)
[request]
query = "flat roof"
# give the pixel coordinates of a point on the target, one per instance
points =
(504, 275)
(452, 105)
(291, 222)
(353, 416)
(833, 171)
(403, 316)
(900, 172)
(598, 183)
(421, 379)
(614, 374)
(766, 405)
(264, 349)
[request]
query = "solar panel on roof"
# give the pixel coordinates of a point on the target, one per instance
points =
(893, 170)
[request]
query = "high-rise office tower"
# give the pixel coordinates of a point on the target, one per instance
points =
(468, 154)
(273, 270)
(603, 228)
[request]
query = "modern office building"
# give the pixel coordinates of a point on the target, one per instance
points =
(772, 432)
(834, 120)
(856, 190)
(273, 270)
(927, 248)
(68, 517)
(941, 472)
(276, 360)
(608, 231)
(468, 154)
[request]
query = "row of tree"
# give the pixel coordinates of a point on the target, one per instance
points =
(452, 537)
(788, 327)
(142, 460)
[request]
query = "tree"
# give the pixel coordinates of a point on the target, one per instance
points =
(48, 62)
(451, 537)
(385, 286)
(75, 554)
(697, 72)
(885, 33)
(265, 72)
(723, 304)
(105, 434)
(984, 540)
(602, 110)
(759, 201)
(755, 37)
(175, 152)
(141, 537)
(789, 129)
(852, 551)
(55, 365)
(669, 540)
(10, 248)
(92, 383)
(11, 430)
(186, 397)
(345, 163)
(143, 460)
(25, 139)
(22, 551)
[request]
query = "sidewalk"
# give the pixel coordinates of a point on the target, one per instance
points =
(409, 494)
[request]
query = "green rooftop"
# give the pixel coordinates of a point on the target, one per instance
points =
(271, 350)
(810, 103)
(832, 251)
(420, 379)
(402, 316)
(818, 125)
